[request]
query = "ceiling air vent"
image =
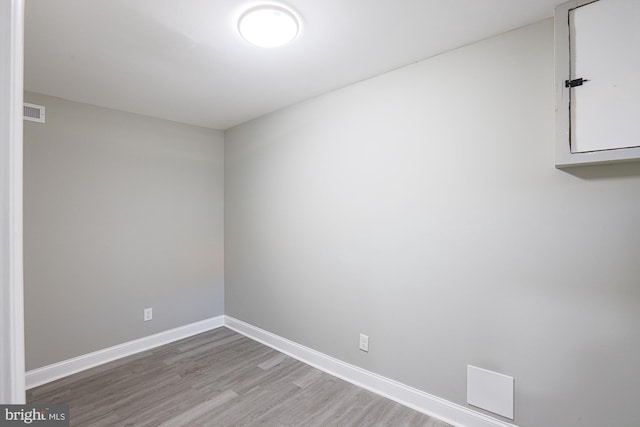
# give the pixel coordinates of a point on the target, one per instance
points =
(34, 113)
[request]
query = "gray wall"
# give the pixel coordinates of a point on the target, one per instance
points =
(422, 207)
(121, 212)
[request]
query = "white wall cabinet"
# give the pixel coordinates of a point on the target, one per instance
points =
(597, 82)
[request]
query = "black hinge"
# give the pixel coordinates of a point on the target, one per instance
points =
(575, 82)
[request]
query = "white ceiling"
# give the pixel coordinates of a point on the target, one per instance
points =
(183, 60)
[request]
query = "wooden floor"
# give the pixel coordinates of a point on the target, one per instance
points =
(219, 378)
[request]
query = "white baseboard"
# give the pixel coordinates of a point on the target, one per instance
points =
(436, 407)
(59, 370)
(444, 410)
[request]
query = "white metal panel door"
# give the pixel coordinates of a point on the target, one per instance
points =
(605, 50)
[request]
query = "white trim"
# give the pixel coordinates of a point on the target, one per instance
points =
(444, 410)
(452, 413)
(62, 369)
(11, 263)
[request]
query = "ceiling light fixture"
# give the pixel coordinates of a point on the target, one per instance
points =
(268, 26)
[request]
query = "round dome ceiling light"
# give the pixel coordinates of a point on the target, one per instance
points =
(268, 26)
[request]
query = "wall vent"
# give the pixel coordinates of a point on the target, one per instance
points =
(34, 113)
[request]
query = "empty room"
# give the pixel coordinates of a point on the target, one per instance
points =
(320, 213)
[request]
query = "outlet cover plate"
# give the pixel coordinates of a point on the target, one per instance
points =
(148, 314)
(364, 342)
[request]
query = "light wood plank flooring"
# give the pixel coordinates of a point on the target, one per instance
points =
(219, 378)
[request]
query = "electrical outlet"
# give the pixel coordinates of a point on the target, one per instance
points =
(148, 314)
(364, 342)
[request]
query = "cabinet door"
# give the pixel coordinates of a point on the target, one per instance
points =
(597, 81)
(605, 51)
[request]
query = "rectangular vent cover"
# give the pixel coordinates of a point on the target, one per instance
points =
(490, 391)
(34, 113)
